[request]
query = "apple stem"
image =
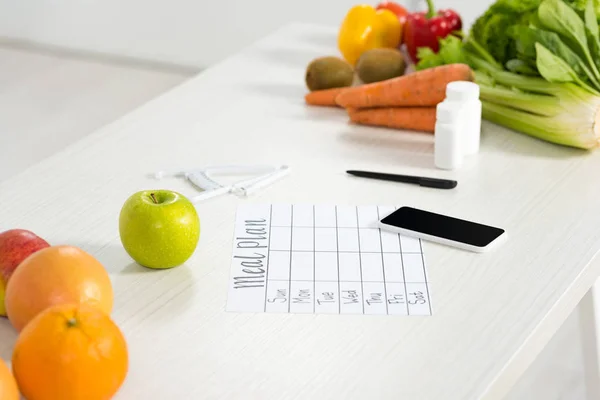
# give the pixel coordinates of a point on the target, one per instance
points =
(153, 198)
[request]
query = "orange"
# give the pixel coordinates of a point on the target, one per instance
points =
(8, 386)
(56, 275)
(70, 352)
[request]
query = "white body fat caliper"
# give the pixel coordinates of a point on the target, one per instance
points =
(202, 178)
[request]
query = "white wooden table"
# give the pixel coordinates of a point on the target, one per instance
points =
(493, 313)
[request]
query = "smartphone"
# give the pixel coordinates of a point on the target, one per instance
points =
(443, 229)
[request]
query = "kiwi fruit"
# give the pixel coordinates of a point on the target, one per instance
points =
(380, 64)
(328, 73)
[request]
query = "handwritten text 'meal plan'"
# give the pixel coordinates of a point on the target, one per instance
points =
(251, 253)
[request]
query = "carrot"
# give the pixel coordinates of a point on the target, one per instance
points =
(325, 97)
(424, 88)
(408, 118)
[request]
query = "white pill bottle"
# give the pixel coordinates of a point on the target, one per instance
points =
(464, 96)
(458, 125)
(448, 152)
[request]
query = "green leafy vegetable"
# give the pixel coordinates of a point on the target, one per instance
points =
(451, 52)
(491, 29)
(515, 6)
(526, 39)
(428, 58)
(553, 68)
(594, 48)
(591, 21)
(581, 5)
(537, 64)
(521, 67)
(592, 32)
(562, 113)
(491, 34)
(556, 16)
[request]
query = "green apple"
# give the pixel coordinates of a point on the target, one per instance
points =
(159, 228)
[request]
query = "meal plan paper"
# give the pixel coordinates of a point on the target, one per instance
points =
(330, 259)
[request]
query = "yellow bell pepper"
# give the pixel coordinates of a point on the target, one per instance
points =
(366, 28)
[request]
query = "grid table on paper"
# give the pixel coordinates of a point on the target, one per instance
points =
(332, 259)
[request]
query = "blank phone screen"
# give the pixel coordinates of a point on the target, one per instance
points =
(442, 226)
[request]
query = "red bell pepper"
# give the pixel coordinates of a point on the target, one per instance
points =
(394, 7)
(424, 29)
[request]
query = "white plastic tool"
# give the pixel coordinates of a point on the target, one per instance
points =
(202, 178)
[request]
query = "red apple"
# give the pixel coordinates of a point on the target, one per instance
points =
(15, 246)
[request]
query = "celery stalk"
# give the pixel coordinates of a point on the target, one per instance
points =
(568, 130)
(562, 113)
(534, 103)
(532, 84)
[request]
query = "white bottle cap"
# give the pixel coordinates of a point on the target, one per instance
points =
(462, 90)
(446, 113)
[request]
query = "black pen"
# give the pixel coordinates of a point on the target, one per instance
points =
(417, 180)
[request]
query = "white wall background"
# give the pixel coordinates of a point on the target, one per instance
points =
(193, 33)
